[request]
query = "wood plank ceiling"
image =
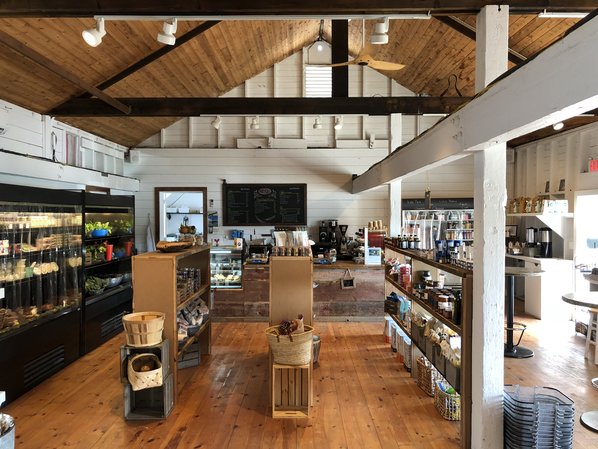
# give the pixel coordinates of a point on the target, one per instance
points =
(226, 55)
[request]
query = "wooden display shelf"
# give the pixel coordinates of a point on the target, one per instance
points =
(449, 268)
(397, 320)
(190, 340)
(444, 320)
(192, 297)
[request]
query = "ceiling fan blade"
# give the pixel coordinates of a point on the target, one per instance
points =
(385, 65)
(341, 64)
(369, 49)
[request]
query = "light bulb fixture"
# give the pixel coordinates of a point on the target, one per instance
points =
(217, 122)
(318, 122)
(558, 126)
(380, 36)
(255, 123)
(166, 36)
(93, 36)
(562, 15)
(338, 123)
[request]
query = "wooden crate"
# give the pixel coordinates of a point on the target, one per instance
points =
(291, 390)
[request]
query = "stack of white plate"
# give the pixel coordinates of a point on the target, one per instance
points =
(537, 417)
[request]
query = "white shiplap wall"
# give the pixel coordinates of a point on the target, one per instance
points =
(564, 156)
(327, 173)
(324, 166)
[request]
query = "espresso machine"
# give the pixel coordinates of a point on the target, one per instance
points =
(545, 242)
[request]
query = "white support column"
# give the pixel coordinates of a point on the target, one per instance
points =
(395, 190)
(487, 363)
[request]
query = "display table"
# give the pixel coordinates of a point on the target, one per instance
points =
(590, 300)
(511, 350)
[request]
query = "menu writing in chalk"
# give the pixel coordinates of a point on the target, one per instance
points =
(265, 204)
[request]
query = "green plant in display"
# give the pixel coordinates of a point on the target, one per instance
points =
(97, 226)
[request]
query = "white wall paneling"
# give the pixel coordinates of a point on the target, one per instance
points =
(327, 173)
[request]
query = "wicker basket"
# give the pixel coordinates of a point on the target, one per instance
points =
(144, 371)
(294, 349)
(448, 405)
(426, 376)
(144, 328)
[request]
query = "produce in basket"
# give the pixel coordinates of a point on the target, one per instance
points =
(287, 327)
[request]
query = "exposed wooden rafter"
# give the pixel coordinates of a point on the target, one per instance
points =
(340, 53)
(156, 55)
(41, 60)
(467, 30)
(184, 107)
(214, 9)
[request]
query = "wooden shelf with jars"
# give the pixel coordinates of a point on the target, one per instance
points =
(459, 323)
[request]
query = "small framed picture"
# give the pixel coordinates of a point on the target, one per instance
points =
(547, 187)
(562, 185)
(511, 230)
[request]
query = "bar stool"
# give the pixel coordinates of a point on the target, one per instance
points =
(592, 326)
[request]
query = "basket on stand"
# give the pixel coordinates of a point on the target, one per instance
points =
(144, 371)
(144, 328)
(294, 349)
(447, 404)
(426, 376)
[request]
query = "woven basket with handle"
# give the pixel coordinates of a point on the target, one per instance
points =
(294, 349)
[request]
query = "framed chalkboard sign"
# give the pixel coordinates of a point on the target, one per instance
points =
(264, 204)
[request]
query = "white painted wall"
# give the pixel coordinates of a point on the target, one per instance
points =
(564, 156)
(327, 173)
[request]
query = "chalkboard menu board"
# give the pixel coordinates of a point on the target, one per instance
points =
(264, 204)
(437, 203)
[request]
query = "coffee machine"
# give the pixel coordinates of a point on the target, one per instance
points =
(531, 245)
(545, 242)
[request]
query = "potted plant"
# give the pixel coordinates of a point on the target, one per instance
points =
(98, 229)
(123, 226)
(96, 253)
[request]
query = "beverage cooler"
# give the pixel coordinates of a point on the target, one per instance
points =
(226, 267)
(40, 284)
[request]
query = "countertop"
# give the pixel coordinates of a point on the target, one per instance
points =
(338, 265)
(535, 259)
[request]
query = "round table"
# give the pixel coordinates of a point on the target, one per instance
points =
(517, 352)
(588, 299)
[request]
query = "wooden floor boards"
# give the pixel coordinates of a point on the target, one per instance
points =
(363, 397)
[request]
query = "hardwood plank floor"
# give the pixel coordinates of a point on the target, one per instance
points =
(363, 397)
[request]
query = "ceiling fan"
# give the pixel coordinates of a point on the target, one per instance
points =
(365, 57)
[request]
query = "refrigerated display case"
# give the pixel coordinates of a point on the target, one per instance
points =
(226, 264)
(40, 284)
(108, 246)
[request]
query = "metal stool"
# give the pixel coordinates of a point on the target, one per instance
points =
(592, 327)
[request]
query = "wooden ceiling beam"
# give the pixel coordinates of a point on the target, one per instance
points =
(50, 65)
(340, 53)
(189, 107)
(317, 8)
(156, 55)
(467, 30)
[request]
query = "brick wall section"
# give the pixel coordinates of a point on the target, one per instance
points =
(251, 303)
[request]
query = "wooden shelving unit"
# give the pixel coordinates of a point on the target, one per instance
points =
(464, 330)
(154, 287)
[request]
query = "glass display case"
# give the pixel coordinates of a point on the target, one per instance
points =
(41, 286)
(226, 264)
(40, 262)
(428, 226)
(108, 243)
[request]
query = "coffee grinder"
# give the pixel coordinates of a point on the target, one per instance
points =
(332, 234)
(323, 232)
(531, 246)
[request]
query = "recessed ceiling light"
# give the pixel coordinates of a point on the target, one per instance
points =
(558, 126)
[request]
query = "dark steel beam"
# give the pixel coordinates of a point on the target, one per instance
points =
(467, 30)
(185, 107)
(317, 8)
(340, 53)
(51, 66)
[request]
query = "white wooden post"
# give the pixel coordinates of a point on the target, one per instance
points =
(489, 260)
(394, 189)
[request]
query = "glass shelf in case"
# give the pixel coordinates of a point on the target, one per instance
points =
(226, 267)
